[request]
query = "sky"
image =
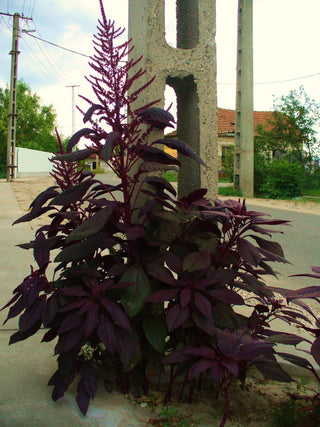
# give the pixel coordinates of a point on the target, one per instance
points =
(286, 35)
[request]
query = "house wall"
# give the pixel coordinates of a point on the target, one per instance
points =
(32, 162)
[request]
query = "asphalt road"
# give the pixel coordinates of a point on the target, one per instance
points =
(301, 245)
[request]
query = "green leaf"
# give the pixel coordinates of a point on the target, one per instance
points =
(134, 296)
(197, 261)
(155, 330)
(92, 225)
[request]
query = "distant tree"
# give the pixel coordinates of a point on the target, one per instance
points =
(35, 122)
(291, 132)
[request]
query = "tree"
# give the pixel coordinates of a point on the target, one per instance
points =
(35, 122)
(287, 143)
(291, 132)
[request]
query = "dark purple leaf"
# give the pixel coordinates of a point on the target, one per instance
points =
(69, 340)
(90, 112)
(273, 247)
(16, 308)
(231, 365)
(76, 138)
(161, 183)
(217, 371)
(157, 117)
(154, 155)
(60, 387)
(50, 335)
(253, 349)
(83, 397)
(181, 147)
(41, 251)
(197, 261)
(227, 296)
(75, 156)
(176, 316)
(271, 369)
(161, 296)
(205, 352)
(173, 262)
(179, 356)
(70, 322)
(50, 310)
(134, 233)
(109, 145)
(194, 196)
(74, 305)
(82, 249)
(315, 350)
(35, 213)
(117, 314)
(72, 194)
(203, 304)
(185, 297)
(32, 314)
(203, 322)
(285, 338)
(106, 334)
(92, 225)
(199, 367)
(227, 343)
(20, 336)
(88, 375)
(128, 345)
(75, 291)
(43, 197)
(248, 252)
(296, 360)
(308, 292)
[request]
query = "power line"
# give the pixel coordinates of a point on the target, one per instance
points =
(56, 45)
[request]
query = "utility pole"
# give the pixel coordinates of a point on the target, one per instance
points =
(73, 108)
(244, 127)
(12, 115)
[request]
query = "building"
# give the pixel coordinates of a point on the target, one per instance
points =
(226, 129)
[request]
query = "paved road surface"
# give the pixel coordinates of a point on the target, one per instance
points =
(301, 245)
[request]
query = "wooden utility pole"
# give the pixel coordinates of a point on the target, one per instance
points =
(244, 128)
(11, 138)
(12, 115)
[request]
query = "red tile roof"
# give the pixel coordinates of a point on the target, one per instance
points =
(226, 119)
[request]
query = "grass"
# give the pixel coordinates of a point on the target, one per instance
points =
(171, 176)
(229, 191)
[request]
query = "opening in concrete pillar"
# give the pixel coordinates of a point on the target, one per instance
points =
(188, 129)
(170, 22)
(182, 23)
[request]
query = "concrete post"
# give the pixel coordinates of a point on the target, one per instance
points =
(244, 131)
(191, 70)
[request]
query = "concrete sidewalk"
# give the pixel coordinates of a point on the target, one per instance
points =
(26, 367)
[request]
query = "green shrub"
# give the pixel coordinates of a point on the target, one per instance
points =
(283, 180)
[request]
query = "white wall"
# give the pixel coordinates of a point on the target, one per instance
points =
(32, 162)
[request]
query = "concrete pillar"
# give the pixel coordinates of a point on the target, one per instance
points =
(191, 70)
(244, 130)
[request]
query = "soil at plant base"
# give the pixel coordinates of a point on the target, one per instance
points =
(250, 406)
